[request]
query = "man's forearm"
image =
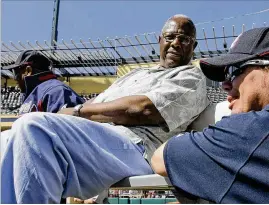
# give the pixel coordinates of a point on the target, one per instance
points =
(131, 110)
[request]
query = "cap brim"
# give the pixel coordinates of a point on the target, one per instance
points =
(13, 66)
(213, 68)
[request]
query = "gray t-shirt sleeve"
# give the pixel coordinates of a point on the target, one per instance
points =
(180, 98)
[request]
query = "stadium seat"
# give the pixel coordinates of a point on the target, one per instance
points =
(213, 113)
(113, 200)
(216, 95)
(143, 182)
(11, 102)
(135, 201)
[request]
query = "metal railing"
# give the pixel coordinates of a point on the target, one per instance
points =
(102, 57)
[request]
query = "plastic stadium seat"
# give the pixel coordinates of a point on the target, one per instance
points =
(152, 201)
(113, 200)
(123, 201)
(135, 201)
(167, 200)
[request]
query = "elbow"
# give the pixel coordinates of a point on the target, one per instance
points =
(157, 162)
(139, 105)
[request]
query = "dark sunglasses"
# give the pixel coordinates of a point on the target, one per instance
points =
(235, 70)
(232, 72)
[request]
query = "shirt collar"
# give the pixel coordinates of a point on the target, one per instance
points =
(34, 80)
(158, 68)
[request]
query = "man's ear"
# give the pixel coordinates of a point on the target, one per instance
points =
(195, 44)
(28, 70)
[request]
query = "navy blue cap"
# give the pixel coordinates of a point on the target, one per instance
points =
(252, 44)
(34, 58)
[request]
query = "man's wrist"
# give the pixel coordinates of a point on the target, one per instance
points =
(76, 111)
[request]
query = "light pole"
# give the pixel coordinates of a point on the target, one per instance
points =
(54, 32)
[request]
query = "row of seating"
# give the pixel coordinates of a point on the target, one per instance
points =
(216, 95)
(11, 100)
(89, 96)
(141, 200)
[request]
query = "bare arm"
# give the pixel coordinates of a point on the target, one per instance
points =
(130, 110)
(157, 161)
(89, 101)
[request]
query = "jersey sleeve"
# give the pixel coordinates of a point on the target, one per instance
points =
(205, 164)
(59, 97)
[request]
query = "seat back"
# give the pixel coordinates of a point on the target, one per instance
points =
(212, 114)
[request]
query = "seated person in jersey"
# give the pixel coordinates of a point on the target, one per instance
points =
(41, 91)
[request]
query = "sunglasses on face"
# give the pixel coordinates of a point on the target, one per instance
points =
(232, 72)
(185, 40)
(235, 70)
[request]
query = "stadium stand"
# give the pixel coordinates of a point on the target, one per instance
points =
(216, 95)
(89, 96)
(10, 100)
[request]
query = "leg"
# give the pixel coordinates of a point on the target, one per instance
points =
(50, 156)
(4, 141)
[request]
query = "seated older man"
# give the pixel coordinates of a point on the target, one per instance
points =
(53, 156)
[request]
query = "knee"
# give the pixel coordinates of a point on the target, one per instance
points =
(28, 127)
(29, 120)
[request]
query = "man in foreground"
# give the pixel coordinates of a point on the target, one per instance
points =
(41, 91)
(228, 162)
(50, 156)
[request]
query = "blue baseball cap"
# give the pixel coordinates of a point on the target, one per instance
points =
(34, 58)
(252, 44)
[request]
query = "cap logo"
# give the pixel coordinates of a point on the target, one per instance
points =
(235, 42)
